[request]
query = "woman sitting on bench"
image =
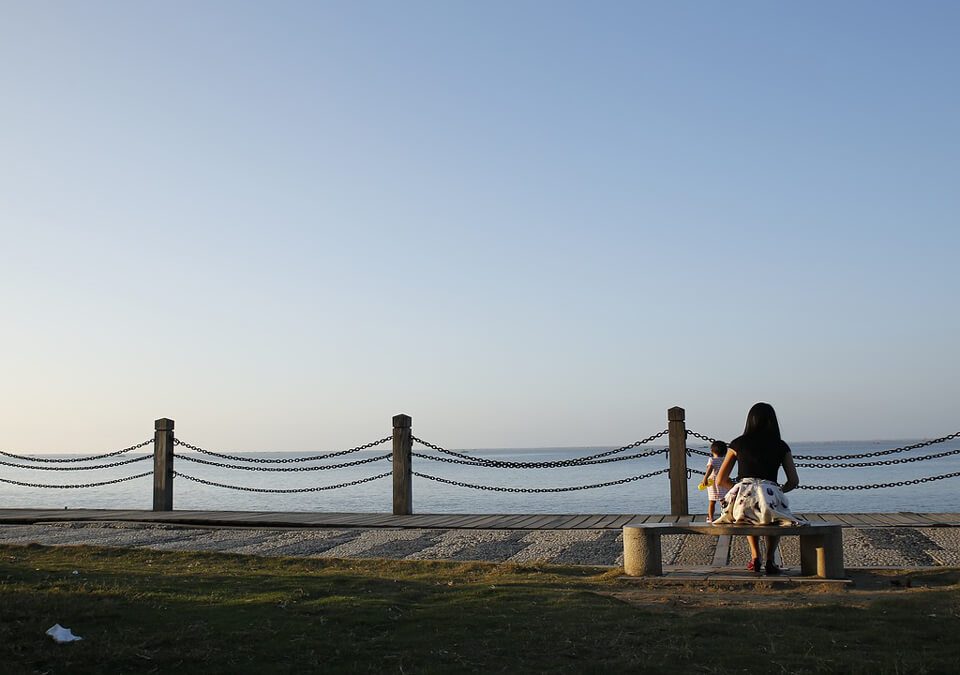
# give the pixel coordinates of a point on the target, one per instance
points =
(757, 498)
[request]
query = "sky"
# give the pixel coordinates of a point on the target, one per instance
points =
(521, 223)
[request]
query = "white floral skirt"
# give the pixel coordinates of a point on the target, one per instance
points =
(755, 501)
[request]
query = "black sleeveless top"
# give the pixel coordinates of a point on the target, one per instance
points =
(759, 456)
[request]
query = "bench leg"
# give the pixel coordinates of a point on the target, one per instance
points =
(822, 555)
(809, 545)
(641, 552)
(830, 564)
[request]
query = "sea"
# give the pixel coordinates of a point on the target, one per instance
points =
(648, 495)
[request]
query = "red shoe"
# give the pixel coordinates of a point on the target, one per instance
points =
(754, 566)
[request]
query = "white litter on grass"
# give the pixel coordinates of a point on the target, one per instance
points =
(61, 634)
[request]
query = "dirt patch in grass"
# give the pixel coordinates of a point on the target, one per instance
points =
(867, 587)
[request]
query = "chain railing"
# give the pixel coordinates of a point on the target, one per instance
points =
(607, 456)
(322, 467)
(74, 464)
(77, 468)
(281, 460)
(597, 458)
(403, 442)
(284, 490)
(259, 462)
(76, 486)
(838, 462)
(880, 453)
(497, 488)
(65, 460)
(540, 465)
(901, 483)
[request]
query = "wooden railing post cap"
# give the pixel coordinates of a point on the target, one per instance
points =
(163, 424)
(676, 414)
(402, 421)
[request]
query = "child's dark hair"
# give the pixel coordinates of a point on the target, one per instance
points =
(718, 448)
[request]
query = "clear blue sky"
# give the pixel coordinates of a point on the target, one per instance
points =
(522, 223)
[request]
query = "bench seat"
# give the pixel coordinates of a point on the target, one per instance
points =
(821, 544)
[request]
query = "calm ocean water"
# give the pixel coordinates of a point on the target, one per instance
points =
(645, 496)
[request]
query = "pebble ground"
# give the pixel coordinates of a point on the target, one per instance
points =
(905, 547)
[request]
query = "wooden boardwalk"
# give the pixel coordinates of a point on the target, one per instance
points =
(437, 520)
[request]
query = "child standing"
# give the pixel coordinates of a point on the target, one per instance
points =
(714, 492)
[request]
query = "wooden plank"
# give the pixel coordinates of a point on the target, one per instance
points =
(580, 523)
(357, 519)
(861, 520)
(555, 523)
(487, 523)
(453, 520)
(623, 520)
(565, 522)
(929, 520)
(509, 522)
(890, 519)
(904, 519)
(844, 519)
(878, 519)
(469, 522)
(388, 520)
(526, 523)
(591, 522)
(462, 521)
(529, 522)
(428, 520)
(607, 520)
(539, 522)
(942, 519)
(812, 517)
(647, 518)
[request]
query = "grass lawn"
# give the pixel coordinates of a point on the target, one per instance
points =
(147, 611)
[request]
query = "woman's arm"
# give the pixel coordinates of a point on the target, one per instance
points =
(723, 475)
(789, 468)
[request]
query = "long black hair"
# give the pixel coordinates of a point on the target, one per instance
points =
(762, 420)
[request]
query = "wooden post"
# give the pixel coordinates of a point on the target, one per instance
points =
(679, 505)
(402, 466)
(163, 465)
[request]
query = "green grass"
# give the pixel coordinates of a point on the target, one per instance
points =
(147, 611)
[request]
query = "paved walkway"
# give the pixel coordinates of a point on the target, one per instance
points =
(888, 546)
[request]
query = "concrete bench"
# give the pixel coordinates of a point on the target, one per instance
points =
(821, 545)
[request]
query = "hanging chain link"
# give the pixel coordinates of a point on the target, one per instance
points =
(494, 488)
(701, 436)
(879, 462)
(862, 455)
(323, 467)
(576, 461)
(283, 460)
(49, 460)
(695, 451)
(81, 485)
(879, 453)
(537, 465)
(76, 468)
(282, 491)
(915, 481)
